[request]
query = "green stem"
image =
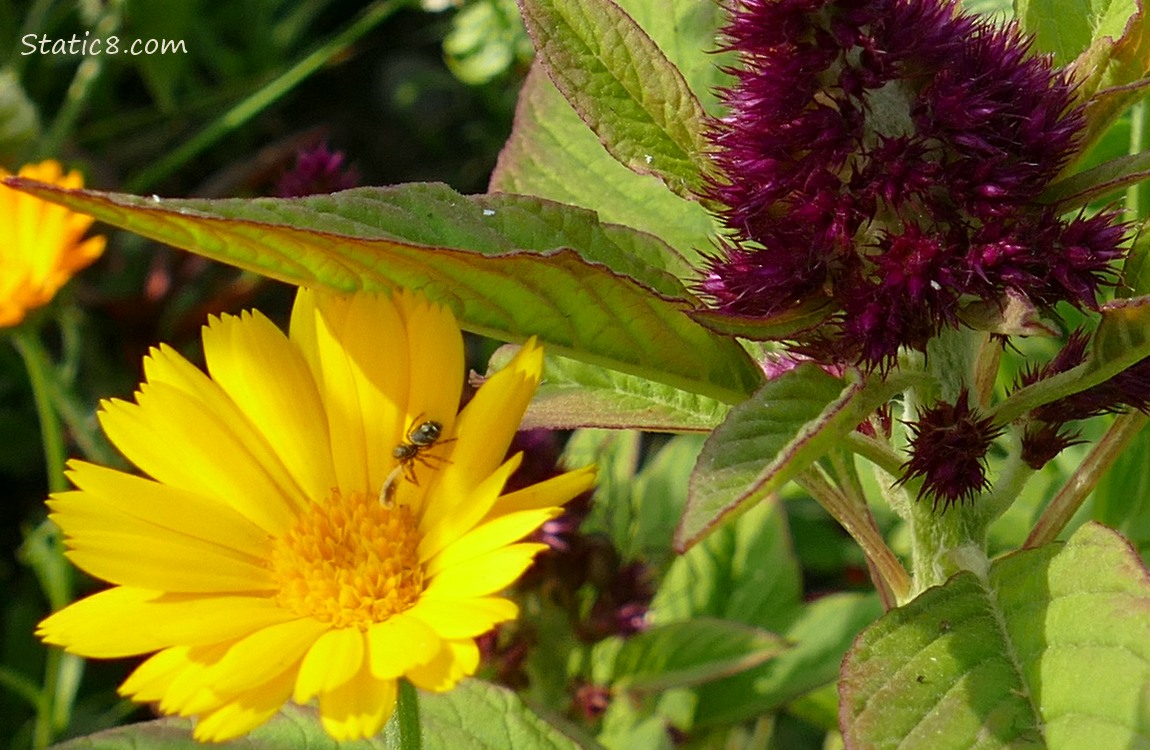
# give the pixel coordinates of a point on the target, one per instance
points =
(1074, 380)
(42, 550)
(945, 542)
(371, 17)
(82, 83)
(1136, 195)
(16, 683)
(39, 366)
(33, 24)
(1082, 482)
(853, 515)
(875, 451)
(407, 717)
(1012, 477)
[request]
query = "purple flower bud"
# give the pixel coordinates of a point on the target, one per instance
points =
(948, 450)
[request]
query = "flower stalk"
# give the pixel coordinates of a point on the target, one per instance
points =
(849, 508)
(1082, 482)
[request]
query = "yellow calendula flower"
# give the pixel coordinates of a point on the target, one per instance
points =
(40, 244)
(283, 548)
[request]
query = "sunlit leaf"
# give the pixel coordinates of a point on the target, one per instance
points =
(1110, 75)
(574, 394)
(1050, 650)
(746, 571)
(508, 266)
(623, 87)
(1050, 22)
(768, 439)
(1136, 273)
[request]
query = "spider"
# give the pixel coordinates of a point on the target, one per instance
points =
(422, 437)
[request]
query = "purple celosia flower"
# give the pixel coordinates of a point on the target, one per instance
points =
(317, 171)
(948, 450)
(884, 157)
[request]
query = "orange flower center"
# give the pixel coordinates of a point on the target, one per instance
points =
(350, 561)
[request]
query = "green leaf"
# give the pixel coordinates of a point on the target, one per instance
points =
(1123, 337)
(623, 87)
(1136, 272)
(552, 154)
(616, 454)
(783, 325)
(1067, 27)
(1083, 187)
(485, 40)
(821, 634)
(745, 572)
(635, 509)
(483, 716)
(1050, 650)
(687, 32)
(508, 266)
(681, 654)
(475, 715)
(574, 394)
(766, 441)
(660, 492)
(1110, 75)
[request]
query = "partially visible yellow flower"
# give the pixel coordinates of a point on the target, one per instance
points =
(40, 245)
(262, 561)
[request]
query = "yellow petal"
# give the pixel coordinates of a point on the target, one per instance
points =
(399, 643)
(261, 656)
(41, 248)
(435, 361)
(488, 537)
(126, 621)
(464, 618)
(161, 560)
(489, 421)
(188, 692)
(360, 343)
(447, 517)
(168, 507)
(458, 659)
(358, 708)
(550, 492)
(151, 680)
(175, 440)
(165, 367)
(334, 658)
(246, 712)
(302, 331)
(267, 378)
(485, 574)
